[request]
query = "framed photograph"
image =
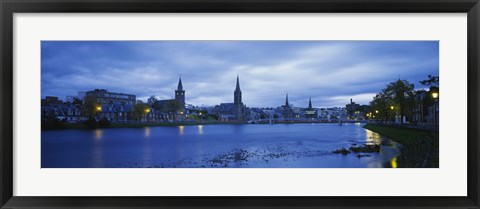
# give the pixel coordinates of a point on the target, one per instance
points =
(239, 104)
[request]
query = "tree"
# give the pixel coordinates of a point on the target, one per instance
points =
(140, 110)
(91, 122)
(402, 93)
(91, 107)
(172, 107)
(432, 81)
(104, 123)
(77, 102)
(379, 106)
(263, 115)
(152, 101)
(214, 116)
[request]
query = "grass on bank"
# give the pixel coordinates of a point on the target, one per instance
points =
(420, 148)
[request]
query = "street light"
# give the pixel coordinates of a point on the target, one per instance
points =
(99, 108)
(435, 96)
(376, 111)
(147, 110)
(391, 107)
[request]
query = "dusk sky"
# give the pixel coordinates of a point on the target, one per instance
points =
(331, 72)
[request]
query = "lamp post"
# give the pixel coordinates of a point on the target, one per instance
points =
(147, 110)
(393, 113)
(98, 110)
(435, 97)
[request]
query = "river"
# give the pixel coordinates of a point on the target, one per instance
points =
(218, 146)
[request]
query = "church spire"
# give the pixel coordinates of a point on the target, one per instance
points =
(286, 101)
(237, 94)
(180, 86)
(180, 96)
(238, 84)
(310, 102)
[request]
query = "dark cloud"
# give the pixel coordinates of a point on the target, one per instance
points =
(330, 72)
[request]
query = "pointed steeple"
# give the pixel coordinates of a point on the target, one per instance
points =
(180, 86)
(180, 96)
(237, 94)
(310, 102)
(238, 84)
(286, 101)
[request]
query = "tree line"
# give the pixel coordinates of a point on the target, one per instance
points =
(399, 98)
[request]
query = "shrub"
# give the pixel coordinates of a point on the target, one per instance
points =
(104, 123)
(91, 122)
(53, 123)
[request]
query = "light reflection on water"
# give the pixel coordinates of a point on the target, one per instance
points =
(98, 149)
(394, 162)
(181, 129)
(147, 132)
(147, 149)
(375, 164)
(200, 129)
(98, 134)
(372, 137)
(147, 155)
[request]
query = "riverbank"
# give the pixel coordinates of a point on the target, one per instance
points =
(139, 125)
(81, 125)
(420, 149)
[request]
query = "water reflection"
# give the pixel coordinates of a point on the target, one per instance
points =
(373, 137)
(375, 164)
(147, 155)
(98, 134)
(200, 129)
(147, 132)
(394, 162)
(181, 129)
(98, 149)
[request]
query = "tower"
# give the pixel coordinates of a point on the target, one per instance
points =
(180, 95)
(237, 101)
(287, 111)
(237, 95)
(286, 102)
(310, 103)
(310, 112)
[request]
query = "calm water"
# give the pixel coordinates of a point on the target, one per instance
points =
(256, 145)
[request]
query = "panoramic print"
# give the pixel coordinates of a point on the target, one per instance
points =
(240, 104)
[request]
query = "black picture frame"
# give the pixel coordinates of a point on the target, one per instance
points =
(9, 7)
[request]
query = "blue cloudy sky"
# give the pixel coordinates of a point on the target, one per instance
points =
(331, 72)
